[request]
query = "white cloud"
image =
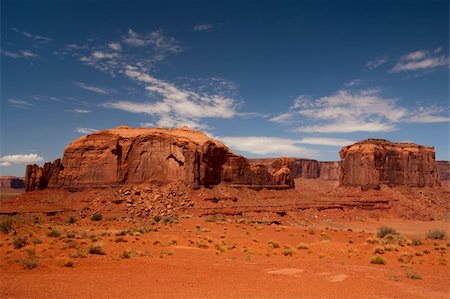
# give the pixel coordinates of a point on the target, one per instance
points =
(5, 164)
(20, 103)
(353, 83)
(81, 111)
(420, 60)
(115, 46)
(20, 159)
(85, 130)
(376, 62)
(175, 106)
(38, 38)
(346, 112)
(23, 54)
(260, 145)
(202, 27)
(92, 88)
(326, 141)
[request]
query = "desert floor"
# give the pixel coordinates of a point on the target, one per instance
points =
(221, 257)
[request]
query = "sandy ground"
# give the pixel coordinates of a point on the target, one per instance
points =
(222, 257)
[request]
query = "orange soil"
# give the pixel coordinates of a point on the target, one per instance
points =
(169, 261)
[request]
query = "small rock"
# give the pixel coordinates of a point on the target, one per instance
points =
(169, 206)
(127, 192)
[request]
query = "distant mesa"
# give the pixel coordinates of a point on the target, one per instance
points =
(11, 182)
(373, 162)
(127, 155)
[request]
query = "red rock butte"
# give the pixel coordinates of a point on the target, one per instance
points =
(135, 155)
(373, 162)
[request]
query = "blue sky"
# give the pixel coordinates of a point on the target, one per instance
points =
(269, 78)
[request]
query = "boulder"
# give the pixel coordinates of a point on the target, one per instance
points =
(372, 162)
(443, 168)
(329, 170)
(136, 155)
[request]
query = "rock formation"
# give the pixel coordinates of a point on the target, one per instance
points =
(443, 168)
(11, 182)
(329, 170)
(125, 155)
(373, 162)
(300, 168)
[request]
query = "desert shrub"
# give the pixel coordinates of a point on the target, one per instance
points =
(172, 242)
(68, 264)
(54, 233)
(6, 225)
(436, 234)
(378, 260)
(288, 251)
(37, 241)
(157, 218)
(71, 220)
(126, 254)
(169, 219)
(31, 261)
(394, 239)
(378, 250)
(386, 230)
(411, 274)
(202, 244)
(405, 258)
(212, 218)
(96, 249)
(120, 239)
(416, 242)
(302, 246)
(221, 247)
(19, 241)
(96, 217)
(78, 254)
(273, 244)
(372, 241)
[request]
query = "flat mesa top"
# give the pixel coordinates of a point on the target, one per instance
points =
(182, 133)
(388, 143)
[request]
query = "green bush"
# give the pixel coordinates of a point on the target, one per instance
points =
(19, 241)
(386, 230)
(6, 225)
(436, 234)
(96, 217)
(71, 220)
(378, 260)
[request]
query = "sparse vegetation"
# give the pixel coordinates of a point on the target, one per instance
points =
(416, 242)
(372, 241)
(378, 260)
(273, 244)
(54, 233)
(126, 254)
(31, 261)
(19, 241)
(288, 251)
(37, 241)
(71, 220)
(68, 264)
(96, 217)
(405, 258)
(96, 249)
(378, 250)
(120, 240)
(6, 225)
(302, 246)
(211, 218)
(436, 234)
(386, 230)
(411, 274)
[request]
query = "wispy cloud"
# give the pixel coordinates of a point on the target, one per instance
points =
(376, 62)
(261, 145)
(326, 141)
(22, 54)
(175, 106)
(8, 160)
(353, 82)
(353, 111)
(80, 111)
(95, 89)
(202, 27)
(85, 130)
(420, 60)
(34, 37)
(20, 104)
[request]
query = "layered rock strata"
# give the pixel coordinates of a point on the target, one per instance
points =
(372, 162)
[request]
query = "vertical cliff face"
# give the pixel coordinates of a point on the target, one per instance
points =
(330, 170)
(300, 168)
(373, 162)
(443, 168)
(11, 182)
(124, 155)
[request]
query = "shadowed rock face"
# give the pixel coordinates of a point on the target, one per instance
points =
(373, 162)
(300, 168)
(125, 155)
(330, 170)
(443, 168)
(11, 182)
